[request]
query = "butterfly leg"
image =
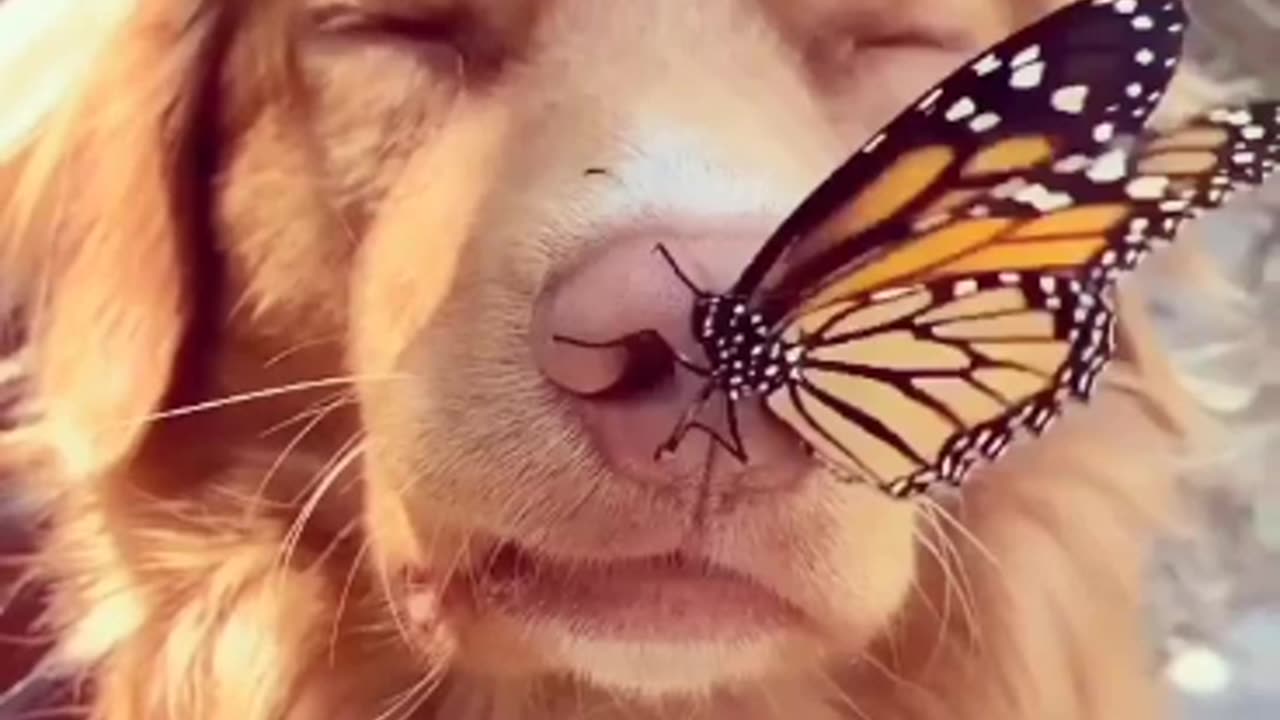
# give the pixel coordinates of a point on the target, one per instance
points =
(685, 427)
(734, 448)
(687, 424)
(735, 435)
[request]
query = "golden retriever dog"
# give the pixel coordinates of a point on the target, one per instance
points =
(286, 275)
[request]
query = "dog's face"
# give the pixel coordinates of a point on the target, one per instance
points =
(425, 196)
(538, 180)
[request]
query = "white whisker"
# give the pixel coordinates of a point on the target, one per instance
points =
(266, 393)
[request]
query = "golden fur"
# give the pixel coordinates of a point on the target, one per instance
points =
(277, 285)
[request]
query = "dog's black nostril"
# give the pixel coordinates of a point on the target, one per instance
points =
(649, 362)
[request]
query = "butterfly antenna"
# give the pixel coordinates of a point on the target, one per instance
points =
(670, 259)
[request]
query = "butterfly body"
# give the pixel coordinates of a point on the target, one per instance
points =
(746, 351)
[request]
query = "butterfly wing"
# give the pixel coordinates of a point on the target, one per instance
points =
(1090, 218)
(1129, 200)
(1091, 70)
(911, 387)
(933, 358)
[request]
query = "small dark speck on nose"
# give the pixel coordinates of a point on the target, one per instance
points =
(595, 171)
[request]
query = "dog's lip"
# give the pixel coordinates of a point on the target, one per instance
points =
(675, 596)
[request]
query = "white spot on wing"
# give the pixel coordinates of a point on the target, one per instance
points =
(1027, 76)
(1150, 187)
(984, 122)
(928, 101)
(1008, 188)
(987, 65)
(1072, 164)
(1110, 166)
(1070, 99)
(1042, 198)
(873, 143)
(1028, 55)
(961, 109)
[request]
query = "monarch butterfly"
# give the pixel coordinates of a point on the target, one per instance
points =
(949, 287)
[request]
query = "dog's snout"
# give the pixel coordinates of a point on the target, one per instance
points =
(612, 326)
(615, 333)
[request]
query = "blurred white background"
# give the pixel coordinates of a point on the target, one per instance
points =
(1216, 599)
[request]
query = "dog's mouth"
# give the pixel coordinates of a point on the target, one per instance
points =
(673, 597)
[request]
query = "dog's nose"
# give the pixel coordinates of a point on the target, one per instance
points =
(612, 333)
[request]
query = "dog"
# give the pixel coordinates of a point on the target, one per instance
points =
(287, 275)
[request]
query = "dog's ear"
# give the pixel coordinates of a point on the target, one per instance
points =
(101, 252)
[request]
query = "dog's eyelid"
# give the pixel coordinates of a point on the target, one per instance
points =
(907, 37)
(841, 50)
(906, 31)
(919, 37)
(349, 18)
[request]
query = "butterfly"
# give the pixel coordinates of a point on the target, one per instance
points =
(950, 286)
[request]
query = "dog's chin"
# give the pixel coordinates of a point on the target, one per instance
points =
(671, 668)
(654, 626)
